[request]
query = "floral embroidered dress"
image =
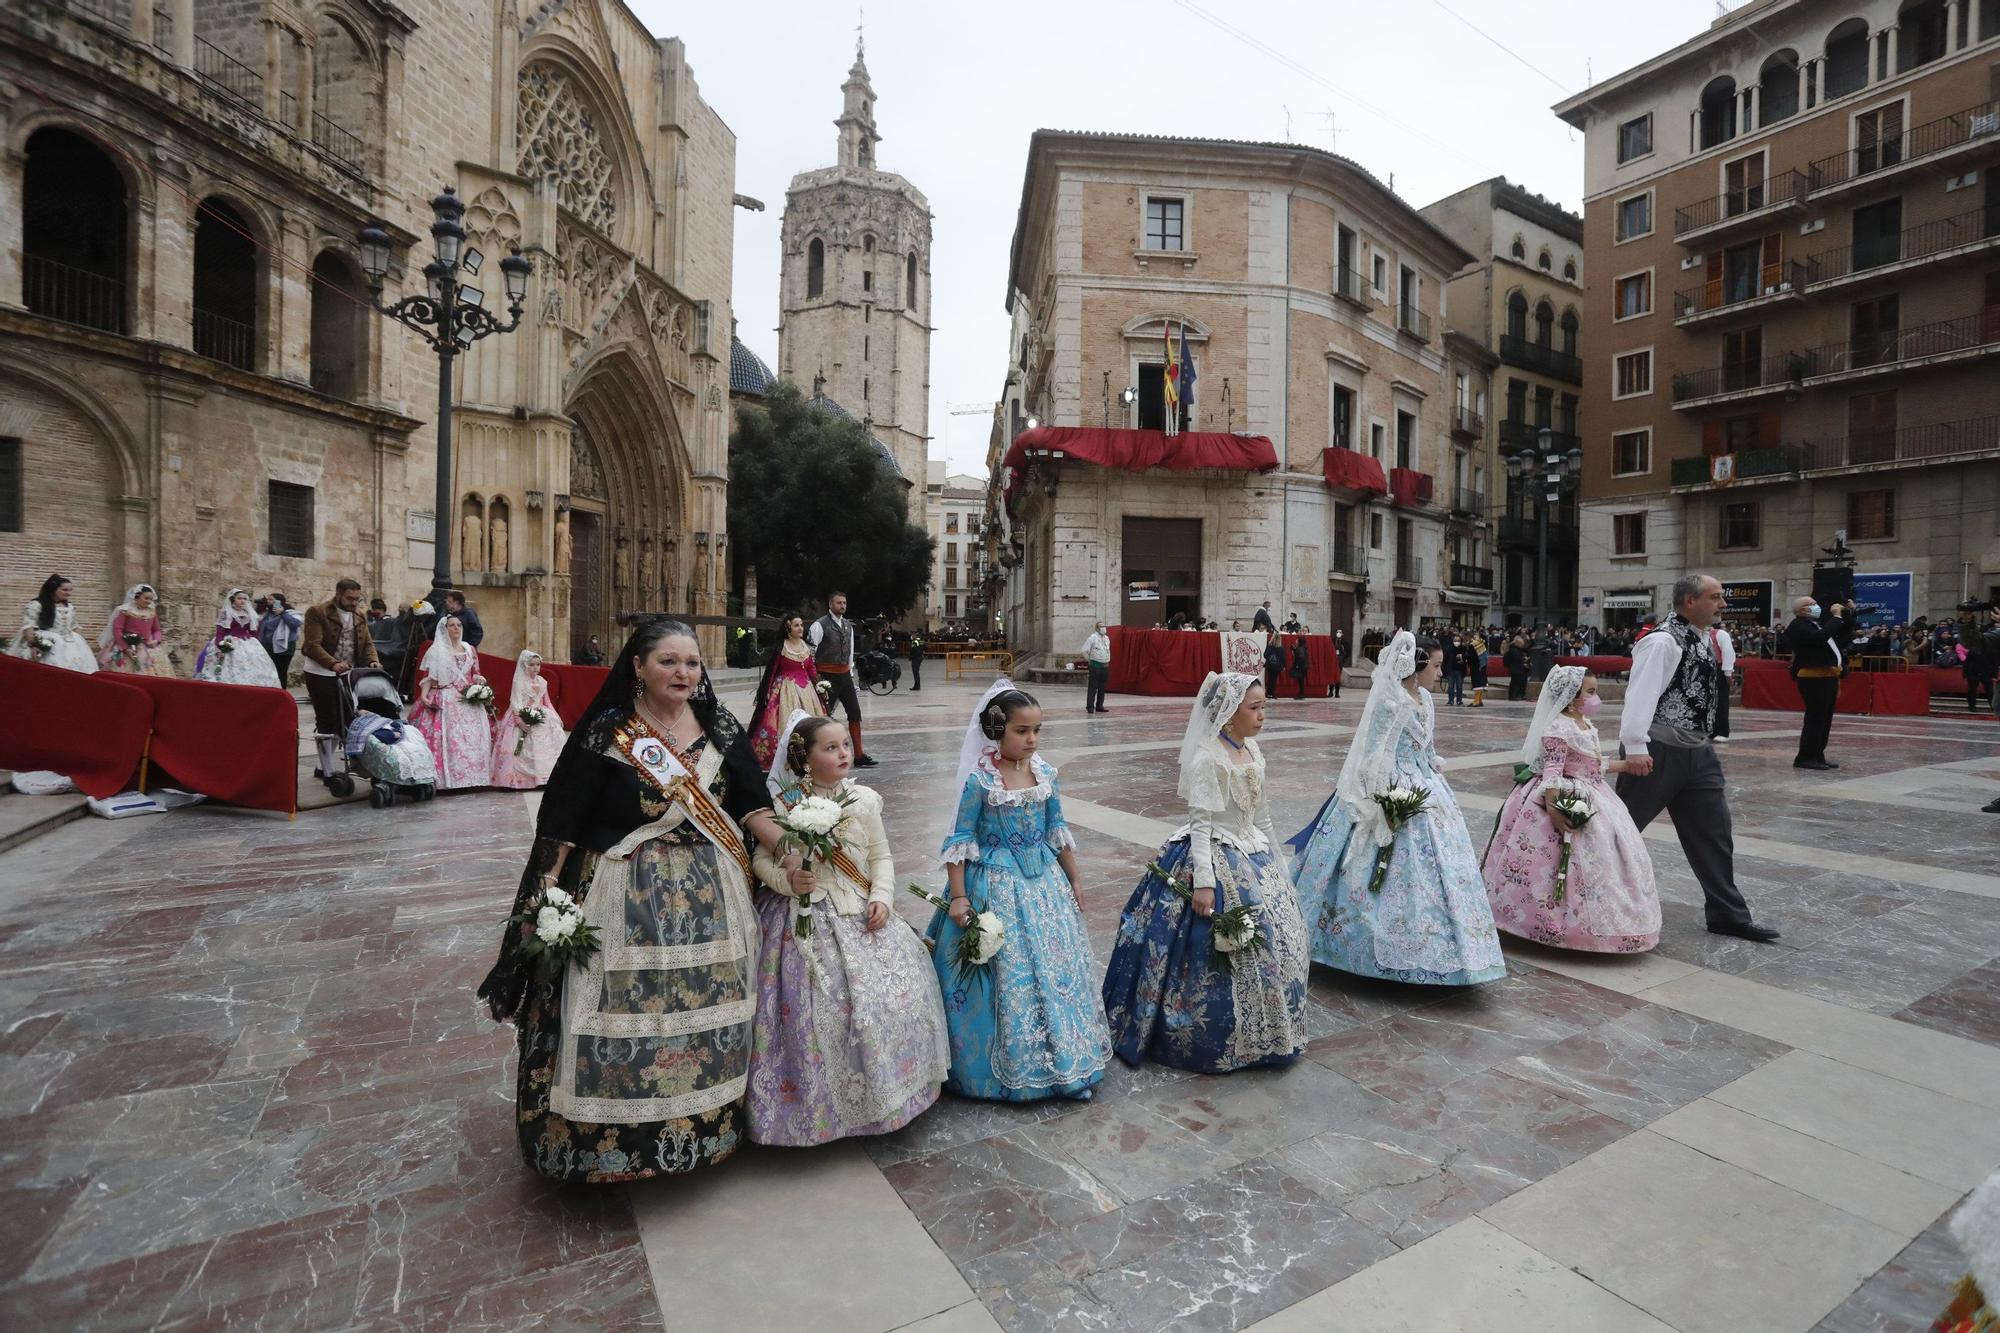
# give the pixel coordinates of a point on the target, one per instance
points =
(850, 1036)
(1610, 903)
(789, 686)
(1430, 922)
(244, 661)
(460, 734)
(1164, 999)
(523, 756)
(67, 649)
(636, 1064)
(145, 657)
(1028, 1025)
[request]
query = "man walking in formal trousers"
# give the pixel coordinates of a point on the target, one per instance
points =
(1261, 620)
(1097, 663)
(832, 640)
(1724, 649)
(1670, 762)
(1817, 642)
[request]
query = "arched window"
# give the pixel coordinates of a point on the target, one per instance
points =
(867, 245)
(1545, 319)
(225, 285)
(344, 93)
(73, 229)
(338, 351)
(1517, 316)
(1520, 250)
(1778, 88)
(1544, 261)
(1923, 34)
(1718, 112)
(815, 267)
(910, 280)
(1569, 270)
(1847, 58)
(1569, 332)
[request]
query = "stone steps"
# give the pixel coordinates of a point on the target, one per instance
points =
(25, 818)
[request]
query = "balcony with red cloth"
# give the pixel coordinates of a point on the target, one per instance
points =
(1410, 489)
(1346, 470)
(1138, 450)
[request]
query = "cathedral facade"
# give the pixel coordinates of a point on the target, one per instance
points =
(194, 392)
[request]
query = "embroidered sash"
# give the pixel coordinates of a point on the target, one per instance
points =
(670, 772)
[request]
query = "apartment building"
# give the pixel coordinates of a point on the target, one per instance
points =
(1793, 225)
(955, 505)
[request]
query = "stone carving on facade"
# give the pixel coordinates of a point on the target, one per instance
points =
(586, 478)
(559, 141)
(490, 219)
(649, 570)
(471, 544)
(496, 538)
(565, 545)
(621, 564)
(670, 565)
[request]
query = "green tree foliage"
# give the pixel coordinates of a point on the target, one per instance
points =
(815, 507)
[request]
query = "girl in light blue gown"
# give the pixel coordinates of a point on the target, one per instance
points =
(1028, 1025)
(1429, 922)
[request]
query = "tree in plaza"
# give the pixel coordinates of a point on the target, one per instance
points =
(815, 506)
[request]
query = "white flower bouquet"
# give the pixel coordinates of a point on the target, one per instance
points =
(557, 933)
(530, 716)
(481, 694)
(225, 646)
(1230, 933)
(1399, 806)
(42, 643)
(809, 830)
(1572, 806)
(979, 940)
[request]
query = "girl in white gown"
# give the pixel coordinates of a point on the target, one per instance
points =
(49, 635)
(235, 656)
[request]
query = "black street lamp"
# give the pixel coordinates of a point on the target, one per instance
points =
(1560, 472)
(450, 316)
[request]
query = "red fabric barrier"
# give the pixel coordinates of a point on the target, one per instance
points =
(1943, 680)
(1770, 685)
(571, 688)
(92, 729)
(1173, 663)
(1601, 666)
(1344, 469)
(233, 743)
(1899, 694)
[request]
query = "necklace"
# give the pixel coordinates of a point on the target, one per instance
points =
(1230, 740)
(664, 728)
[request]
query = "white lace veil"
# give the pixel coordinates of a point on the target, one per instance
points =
(229, 615)
(521, 695)
(1214, 704)
(1559, 691)
(975, 743)
(130, 607)
(780, 775)
(441, 664)
(1371, 754)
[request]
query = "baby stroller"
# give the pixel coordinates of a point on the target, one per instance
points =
(879, 673)
(376, 744)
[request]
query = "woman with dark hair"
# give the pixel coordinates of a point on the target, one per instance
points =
(48, 630)
(790, 685)
(635, 1063)
(1422, 915)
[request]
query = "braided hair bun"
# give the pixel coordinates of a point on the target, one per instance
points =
(1000, 709)
(799, 748)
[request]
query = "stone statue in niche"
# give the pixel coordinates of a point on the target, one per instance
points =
(621, 563)
(496, 538)
(471, 543)
(699, 586)
(670, 568)
(564, 545)
(649, 571)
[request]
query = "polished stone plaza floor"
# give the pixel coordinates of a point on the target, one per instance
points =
(244, 1084)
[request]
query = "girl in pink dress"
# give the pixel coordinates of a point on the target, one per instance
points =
(1608, 903)
(525, 755)
(460, 733)
(790, 685)
(131, 640)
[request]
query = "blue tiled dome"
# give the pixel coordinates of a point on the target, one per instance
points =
(747, 372)
(820, 400)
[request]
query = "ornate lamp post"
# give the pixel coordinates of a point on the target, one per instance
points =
(450, 316)
(1560, 473)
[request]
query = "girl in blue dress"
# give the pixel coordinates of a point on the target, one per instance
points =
(1166, 999)
(1429, 922)
(1026, 1026)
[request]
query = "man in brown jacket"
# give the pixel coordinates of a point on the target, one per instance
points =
(335, 641)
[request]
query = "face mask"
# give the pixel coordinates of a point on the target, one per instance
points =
(1591, 703)
(1813, 610)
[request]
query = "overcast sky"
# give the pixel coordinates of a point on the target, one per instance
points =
(1410, 90)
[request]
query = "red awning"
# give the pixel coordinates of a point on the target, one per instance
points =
(1137, 450)
(1350, 471)
(1409, 488)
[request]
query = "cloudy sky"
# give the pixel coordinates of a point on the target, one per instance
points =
(1407, 88)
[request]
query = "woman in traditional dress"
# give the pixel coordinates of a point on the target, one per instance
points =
(850, 1036)
(1608, 902)
(1427, 921)
(524, 754)
(1028, 1025)
(790, 685)
(1164, 994)
(635, 1063)
(460, 734)
(131, 641)
(49, 635)
(234, 655)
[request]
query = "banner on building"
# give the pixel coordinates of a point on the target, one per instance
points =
(1881, 599)
(1747, 601)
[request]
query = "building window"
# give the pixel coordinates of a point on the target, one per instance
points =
(1569, 270)
(1375, 532)
(951, 521)
(1632, 453)
(1778, 88)
(868, 280)
(1569, 332)
(1871, 515)
(225, 286)
(910, 280)
(951, 550)
(1545, 262)
(1738, 527)
(1379, 275)
(1165, 229)
(1632, 374)
(338, 347)
(865, 344)
(1922, 38)
(1874, 329)
(951, 604)
(73, 232)
(951, 576)
(1520, 250)
(1635, 137)
(815, 267)
(1343, 417)
(1545, 324)
(1847, 58)
(1878, 138)
(1718, 112)
(11, 486)
(1406, 439)
(1635, 217)
(1517, 316)
(291, 519)
(1375, 437)
(1878, 234)
(1634, 295)
(1628, 534)
(1153, 399)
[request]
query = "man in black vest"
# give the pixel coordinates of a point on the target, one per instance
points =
(1261, 620)
(1818, 643)
(832, 640)
(1668, 757)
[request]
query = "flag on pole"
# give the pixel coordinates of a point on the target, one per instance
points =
(1187, 374)
(1171, 381)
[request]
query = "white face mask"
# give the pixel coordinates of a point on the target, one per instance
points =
(1813, 610)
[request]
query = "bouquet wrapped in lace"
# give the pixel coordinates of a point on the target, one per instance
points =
(978, 940)
(1399, 806)
(481, 694)
(1230, 933)
(809, 830)
(530, 716)
(557, 934)
(41, 643)
(1572, 806)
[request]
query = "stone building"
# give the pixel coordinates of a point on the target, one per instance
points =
(1522, 301)
(1312, 300)
(854, 294)
(956, 507)
(1793, 219)
(193, 391)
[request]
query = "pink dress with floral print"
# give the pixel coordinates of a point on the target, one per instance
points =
(460, 733)
(1610, 904)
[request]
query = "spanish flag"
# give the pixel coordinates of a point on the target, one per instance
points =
(1172, 381)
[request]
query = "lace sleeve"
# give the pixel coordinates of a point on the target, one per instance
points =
(962, 843)
(1055, 828)
(881, 864)
(1555, 753)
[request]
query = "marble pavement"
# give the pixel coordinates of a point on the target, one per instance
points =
(243, 1084)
